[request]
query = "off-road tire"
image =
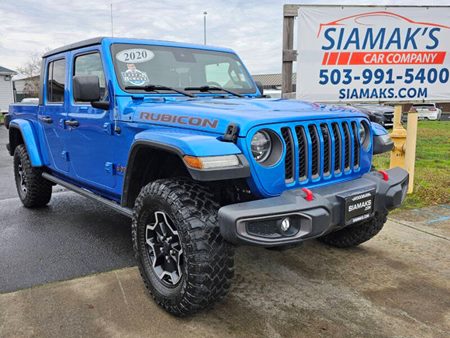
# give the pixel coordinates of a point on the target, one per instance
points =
(208, 259)
(354, 235)
(34, 190)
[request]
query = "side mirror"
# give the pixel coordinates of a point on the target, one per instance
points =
(86, 88)
(260, 87)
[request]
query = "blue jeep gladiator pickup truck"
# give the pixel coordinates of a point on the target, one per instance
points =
(181, 139)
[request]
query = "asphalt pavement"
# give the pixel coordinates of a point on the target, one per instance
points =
(7, 186)
(72, 237)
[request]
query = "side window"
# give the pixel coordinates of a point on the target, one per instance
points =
(91, 64)
(56, 76)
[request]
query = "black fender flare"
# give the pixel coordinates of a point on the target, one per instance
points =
(242, 171)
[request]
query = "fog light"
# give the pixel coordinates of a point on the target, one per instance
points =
(285, 224)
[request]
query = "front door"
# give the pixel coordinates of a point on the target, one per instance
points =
(54, 112)
(90, 137)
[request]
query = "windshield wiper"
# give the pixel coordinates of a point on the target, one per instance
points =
(155, 88)
(204, 89)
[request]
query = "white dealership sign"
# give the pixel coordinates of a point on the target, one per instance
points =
(383, 54)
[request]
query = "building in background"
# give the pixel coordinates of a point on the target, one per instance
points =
(25, 87)
(6, 88)
(272, 83)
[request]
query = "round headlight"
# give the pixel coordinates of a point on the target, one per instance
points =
(364, 135)
(261, 146)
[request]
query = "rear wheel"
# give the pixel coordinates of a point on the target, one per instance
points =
(354, 235)
(185, 263)
(34, 190)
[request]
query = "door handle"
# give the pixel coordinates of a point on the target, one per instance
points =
(46, 119)
(72, 123)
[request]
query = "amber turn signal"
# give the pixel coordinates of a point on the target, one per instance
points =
(212, 162)
(193, 162)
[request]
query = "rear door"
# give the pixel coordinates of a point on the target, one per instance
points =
(54, 111)
(91, 141)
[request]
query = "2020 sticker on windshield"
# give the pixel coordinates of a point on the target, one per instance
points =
(131, 57)
(135, 55)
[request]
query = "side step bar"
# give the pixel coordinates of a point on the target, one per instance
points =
(86, 193)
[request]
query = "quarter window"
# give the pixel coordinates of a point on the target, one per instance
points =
(91, 64)
(56, 76)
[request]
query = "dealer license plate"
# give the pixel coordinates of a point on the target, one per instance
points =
(359, 207)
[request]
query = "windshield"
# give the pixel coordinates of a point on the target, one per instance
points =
(143, 65)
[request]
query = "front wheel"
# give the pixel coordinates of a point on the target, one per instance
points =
(354, 235)
(34, 190)
(185, 263)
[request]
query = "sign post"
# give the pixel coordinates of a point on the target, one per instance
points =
(398, 135)
(411, 139)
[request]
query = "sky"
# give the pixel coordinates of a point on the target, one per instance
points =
(253, 28)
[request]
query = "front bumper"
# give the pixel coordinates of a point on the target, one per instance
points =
(428, 116)
(258, 222)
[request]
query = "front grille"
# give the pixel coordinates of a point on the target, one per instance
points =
(356, 146)
(315, 153)
(347, 146)
(337, 148)
(323, 149)
(302, 152)
(289, 159)
(326, 149)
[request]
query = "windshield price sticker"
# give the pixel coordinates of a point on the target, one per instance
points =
(135, 55)
(373, 54)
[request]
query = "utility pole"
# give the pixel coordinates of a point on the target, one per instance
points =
(204, 27)
(112, 22)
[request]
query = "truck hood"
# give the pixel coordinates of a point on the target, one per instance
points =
(214, 115)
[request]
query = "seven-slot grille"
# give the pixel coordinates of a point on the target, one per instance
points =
(332, 148)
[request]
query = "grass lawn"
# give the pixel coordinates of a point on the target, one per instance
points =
(1, 118)
(432, 176)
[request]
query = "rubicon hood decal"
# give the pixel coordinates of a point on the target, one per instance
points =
(214, 115)
(194, 121)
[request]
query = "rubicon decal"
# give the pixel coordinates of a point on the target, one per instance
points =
(389, 54)
(180, 119)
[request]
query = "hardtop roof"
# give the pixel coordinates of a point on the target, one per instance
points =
(99, 40)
